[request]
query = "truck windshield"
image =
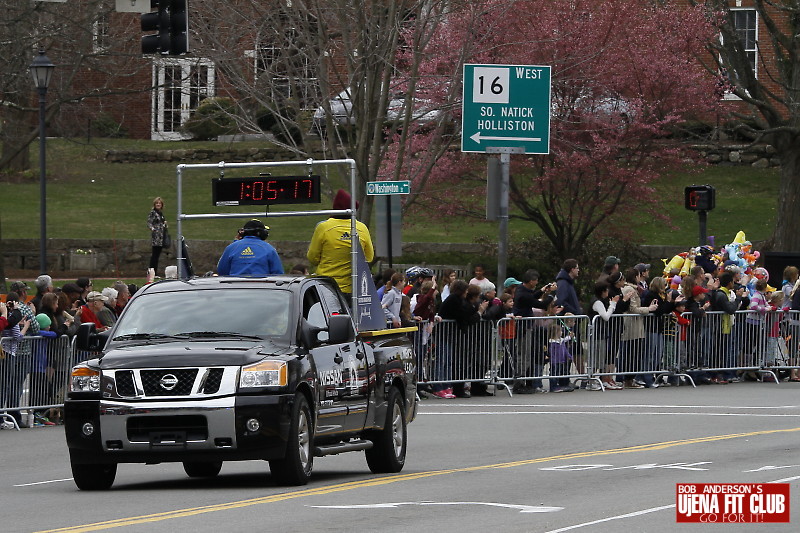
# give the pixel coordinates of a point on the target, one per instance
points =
(204, 313)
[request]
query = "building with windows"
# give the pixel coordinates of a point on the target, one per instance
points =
(260, 59)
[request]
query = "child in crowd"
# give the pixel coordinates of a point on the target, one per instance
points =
(755, 322)
(675, 329)
(560, 357)
(393, 298)
(774, 355)
(507, 329)
(406, 318)
(39, 384)
(425, 311)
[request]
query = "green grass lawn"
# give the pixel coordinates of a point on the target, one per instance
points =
(746, 199)
(87, 196)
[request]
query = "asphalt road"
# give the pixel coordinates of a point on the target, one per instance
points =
(581, 461)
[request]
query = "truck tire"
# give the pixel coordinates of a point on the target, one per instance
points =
(93, 476)
(388, 452)
(295, 468)
(202, 468)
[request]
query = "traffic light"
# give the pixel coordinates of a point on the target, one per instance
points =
(699, 197)
(171, 21)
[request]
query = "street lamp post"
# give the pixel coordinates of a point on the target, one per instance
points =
(41, 70)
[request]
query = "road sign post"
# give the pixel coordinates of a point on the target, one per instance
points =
(389, 225)
(380, 188)
(506, 110)
(506, 106)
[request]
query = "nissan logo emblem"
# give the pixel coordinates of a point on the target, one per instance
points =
(168, 382)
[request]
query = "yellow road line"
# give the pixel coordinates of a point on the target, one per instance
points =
(373, 482)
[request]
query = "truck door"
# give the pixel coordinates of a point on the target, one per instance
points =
(328, 363)
(356, 365)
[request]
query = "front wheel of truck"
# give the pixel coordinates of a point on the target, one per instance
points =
(93, 476)
(388, 452)
(295, 468)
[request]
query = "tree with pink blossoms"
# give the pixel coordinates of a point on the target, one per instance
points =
(624, 75)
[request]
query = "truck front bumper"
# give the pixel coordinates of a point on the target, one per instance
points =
(112, 431)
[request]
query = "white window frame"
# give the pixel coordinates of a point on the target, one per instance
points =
(187, 107)
(101, 33)
(754, 50)
(306, 85)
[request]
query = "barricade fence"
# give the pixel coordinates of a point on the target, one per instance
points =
(518, 352)
(635, 349)
(33, 375)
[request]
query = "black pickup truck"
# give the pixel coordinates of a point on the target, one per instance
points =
(227, 369)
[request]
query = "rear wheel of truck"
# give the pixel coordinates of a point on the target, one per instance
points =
(93, 476)
(202, 468)
(295, 468)
(388, 453)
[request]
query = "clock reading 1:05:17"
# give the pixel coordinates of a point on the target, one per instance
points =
(265, 190)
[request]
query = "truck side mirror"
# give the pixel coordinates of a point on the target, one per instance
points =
(87, 338)
(340, 329)
(309, 335)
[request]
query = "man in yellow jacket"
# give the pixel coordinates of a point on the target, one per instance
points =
(330, 245)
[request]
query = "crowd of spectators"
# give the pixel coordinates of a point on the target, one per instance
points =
(651, 331)
(35, 330)
(639, 322)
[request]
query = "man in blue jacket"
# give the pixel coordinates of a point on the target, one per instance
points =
(565, 293)
(251, 255)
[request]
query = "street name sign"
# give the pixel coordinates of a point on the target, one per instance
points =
(506, 106)
(378, 188)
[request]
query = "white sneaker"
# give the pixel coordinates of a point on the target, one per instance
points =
(7, 425)
(594, 386)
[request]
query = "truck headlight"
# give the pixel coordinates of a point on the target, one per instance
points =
(84, 379)
(263, 374)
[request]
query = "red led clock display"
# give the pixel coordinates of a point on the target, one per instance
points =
(266, 190)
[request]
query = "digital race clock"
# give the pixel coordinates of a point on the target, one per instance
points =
(265, 190)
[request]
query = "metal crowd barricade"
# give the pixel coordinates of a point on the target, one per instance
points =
(535, 348)
(448, 354)
(640, 348)
(714, 346)
(33, 376)
(783, 345)
(721, 346)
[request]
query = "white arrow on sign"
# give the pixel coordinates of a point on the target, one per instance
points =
(478, 137)
(520, 508)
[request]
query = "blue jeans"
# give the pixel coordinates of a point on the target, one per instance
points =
(559, 369)
(13, 371)
(654, 352)
(443, 366)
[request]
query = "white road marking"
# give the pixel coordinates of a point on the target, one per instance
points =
(44, 482)
(785, 480)
(617, 406)
(618, 517)
(520, 508)
(624, 413)
(609, 468)
(768, 467)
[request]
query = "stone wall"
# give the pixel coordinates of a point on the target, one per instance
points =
(130, 258)
(198, 155)
(757, 156)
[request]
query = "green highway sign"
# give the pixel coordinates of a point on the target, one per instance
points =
(506, 106)
(378, 188)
